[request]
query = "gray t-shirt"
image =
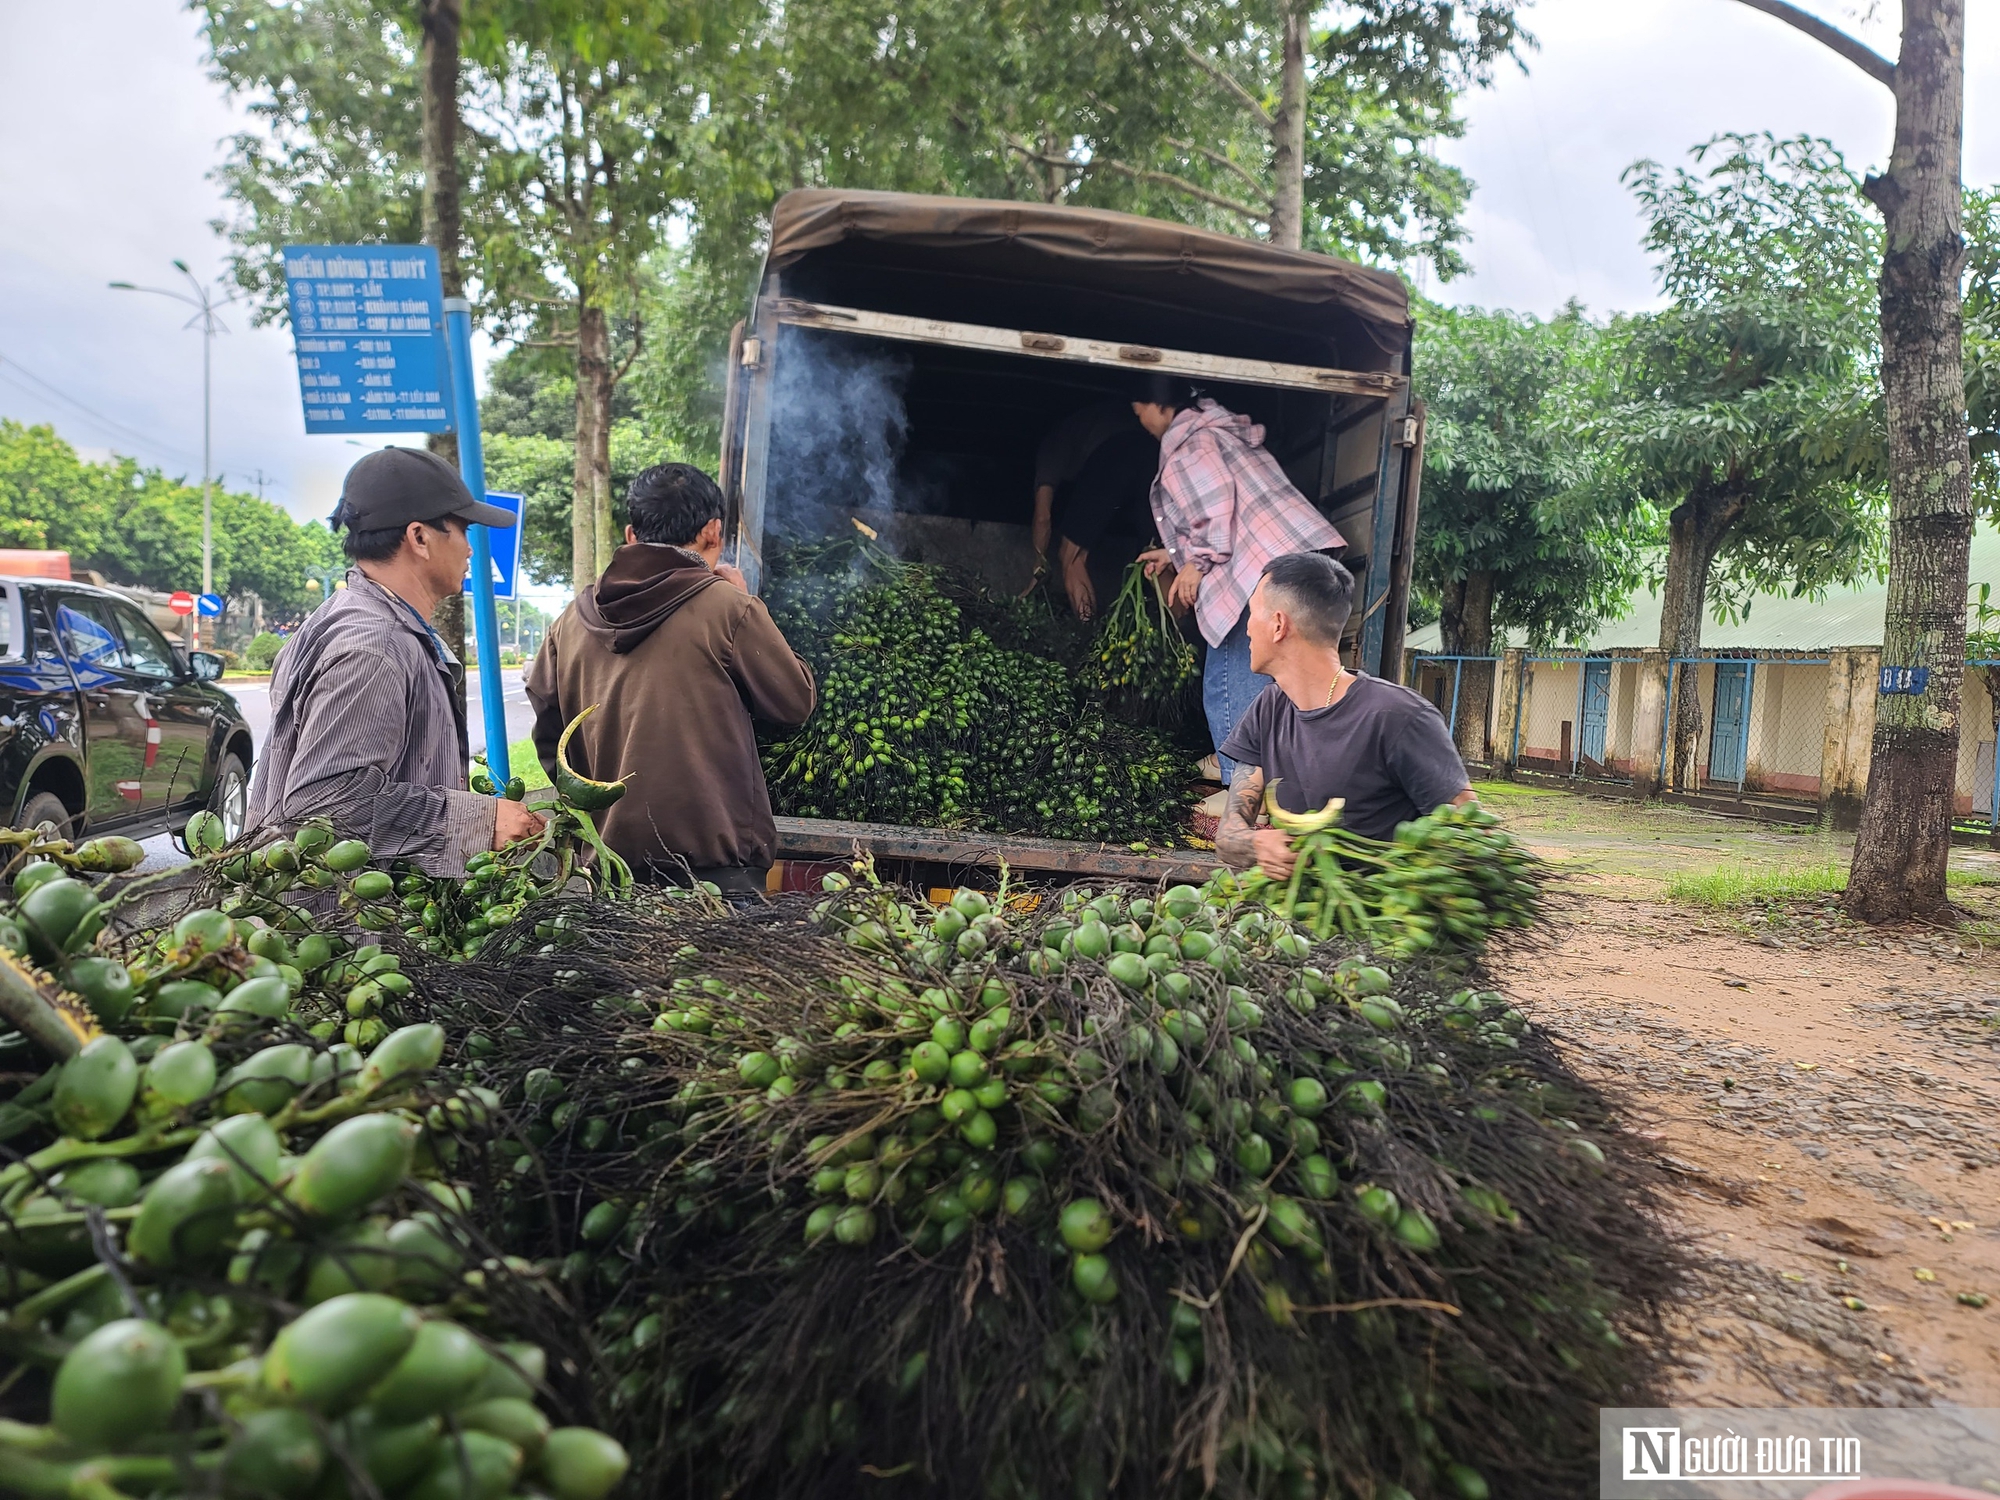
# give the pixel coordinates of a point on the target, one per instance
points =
(1382, 747)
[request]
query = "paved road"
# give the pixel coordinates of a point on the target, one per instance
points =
(254, 698)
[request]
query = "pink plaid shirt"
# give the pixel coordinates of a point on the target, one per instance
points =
(1223, 503)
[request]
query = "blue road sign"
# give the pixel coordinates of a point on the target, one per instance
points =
(505, 546)
(368, 329)
(208, 605)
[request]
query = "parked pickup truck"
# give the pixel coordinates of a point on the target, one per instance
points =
(104, 726)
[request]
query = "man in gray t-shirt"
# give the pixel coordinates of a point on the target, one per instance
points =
(1320, 731)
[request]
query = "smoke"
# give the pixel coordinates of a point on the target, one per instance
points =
(838, 432)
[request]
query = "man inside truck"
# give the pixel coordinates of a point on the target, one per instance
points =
(1224, 509)
(1320, 731)
(1107, 517)
(1059, 459)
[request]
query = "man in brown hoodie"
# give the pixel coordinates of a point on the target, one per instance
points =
(679, 656)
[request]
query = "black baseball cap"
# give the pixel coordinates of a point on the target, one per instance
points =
(394, 486)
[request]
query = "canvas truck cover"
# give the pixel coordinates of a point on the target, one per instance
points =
(1132, 277)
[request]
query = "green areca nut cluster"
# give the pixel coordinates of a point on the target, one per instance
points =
(441, 915)
(990, 1192)
(1001, 1197)
(924, 719)
(1140, 653)
(1447, 880)
(237, 1251)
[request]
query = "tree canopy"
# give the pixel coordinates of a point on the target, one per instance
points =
(592, 128)
(1508, 537)
(138, 526)
(1749, 410)
(1160, 107)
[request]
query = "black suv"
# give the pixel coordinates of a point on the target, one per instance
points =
(104, 726)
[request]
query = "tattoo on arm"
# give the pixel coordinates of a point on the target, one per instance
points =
(1235, 839)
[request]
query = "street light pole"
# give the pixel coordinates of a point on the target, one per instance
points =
(205, 304)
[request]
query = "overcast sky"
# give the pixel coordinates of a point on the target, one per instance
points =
(112, 127)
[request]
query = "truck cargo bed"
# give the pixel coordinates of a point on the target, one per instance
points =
(945, 855)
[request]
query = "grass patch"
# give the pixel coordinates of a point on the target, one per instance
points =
(523, 762)
(1728, 886)
(1515, 791)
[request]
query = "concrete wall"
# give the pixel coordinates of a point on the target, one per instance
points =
(1812, 726)
(1787, 728)
(1975, 744)
(1550, 704)
(1848, 733)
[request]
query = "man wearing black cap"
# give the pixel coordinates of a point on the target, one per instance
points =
(367, 726)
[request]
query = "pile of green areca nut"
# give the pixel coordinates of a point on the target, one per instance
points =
(1035, 1193)
(234, 1256)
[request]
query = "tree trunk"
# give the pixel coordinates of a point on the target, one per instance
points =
(1904, 841)
(439, 66)
(1991, 677)
(443, 228)
(1288, 133)
(591, 542)
(1695, 532)
(1467, 628)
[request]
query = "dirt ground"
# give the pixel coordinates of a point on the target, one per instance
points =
(1820, 1098)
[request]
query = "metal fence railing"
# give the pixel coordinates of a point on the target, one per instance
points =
(1751, 727)
(1443, 680)
(1748, 725)
(1575, 716)
(1978, 785)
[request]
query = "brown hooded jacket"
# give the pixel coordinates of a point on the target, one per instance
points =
(678, 660)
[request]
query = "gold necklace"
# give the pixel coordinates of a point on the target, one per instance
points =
(1338, 673)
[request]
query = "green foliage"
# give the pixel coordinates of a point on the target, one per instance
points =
(581, 111)
(338, 155)
(1749, 411)
(1728, 887)
(1502, 481)
(592, 125)
(262, 651)
(139, 527)
(1982, 342)
(540, 469)
(1155, 108)
(691, 303)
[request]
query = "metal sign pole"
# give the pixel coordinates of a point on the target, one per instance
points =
(472, 464)
(1743, 765)
(1576, 746)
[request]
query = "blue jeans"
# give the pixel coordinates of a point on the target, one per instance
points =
(1228, 687)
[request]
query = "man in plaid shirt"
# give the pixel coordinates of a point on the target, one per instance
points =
(1224, 509)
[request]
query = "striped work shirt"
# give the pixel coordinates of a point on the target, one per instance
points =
(1222, 502)
(366, 731)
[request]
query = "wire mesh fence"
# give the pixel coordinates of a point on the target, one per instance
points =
(1977, 788)
(1731, 726)
(1464, 690)
(1745, 726)
(1768, 729)
(1578, 716)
